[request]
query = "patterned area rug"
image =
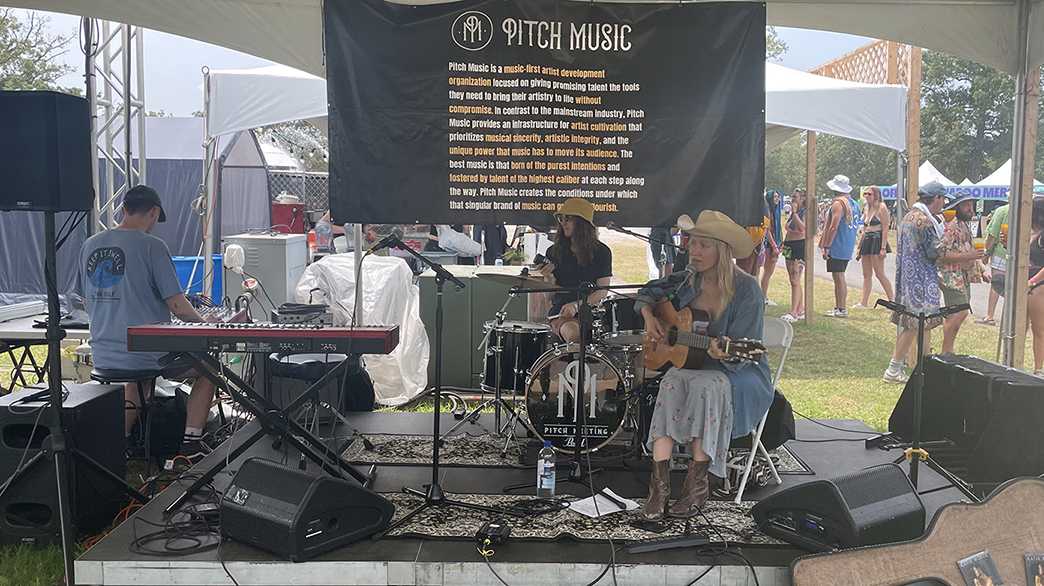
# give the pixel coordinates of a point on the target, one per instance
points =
(485, 451)
(731, 521)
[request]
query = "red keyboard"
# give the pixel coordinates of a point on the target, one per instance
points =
(262, 337)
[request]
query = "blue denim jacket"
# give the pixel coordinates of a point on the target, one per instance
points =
(743, 318)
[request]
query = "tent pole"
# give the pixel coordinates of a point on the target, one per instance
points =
(87, 26)
(1027, 90)
(209, 170)
(811, 223)
(357, 311)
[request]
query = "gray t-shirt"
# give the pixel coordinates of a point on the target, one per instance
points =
(127, 275)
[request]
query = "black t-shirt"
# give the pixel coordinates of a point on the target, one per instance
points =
(570, 273)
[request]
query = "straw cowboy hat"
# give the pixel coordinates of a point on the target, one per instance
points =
(840, 184)
(717, 226)
(576, 206)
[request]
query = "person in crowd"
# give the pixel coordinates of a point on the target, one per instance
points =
(773, 239)
(705, 408)
(794, 252)
(958, 265)
(996, 253)
(752, 262)
(494, 240)
(1035, 304)
(838, 240)
(873, 244)
(661, 241)
(576, 257)
(128, 279)
(916, 273)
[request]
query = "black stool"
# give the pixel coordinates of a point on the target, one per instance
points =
(144, 379)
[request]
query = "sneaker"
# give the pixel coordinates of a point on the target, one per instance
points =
(836, 312)
(897, 377)
(788, 318)
(860, 306)
(194, 447)
(770, 303)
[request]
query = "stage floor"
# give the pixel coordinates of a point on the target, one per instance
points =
(412, 561)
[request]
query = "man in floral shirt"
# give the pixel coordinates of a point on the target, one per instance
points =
(958, 265)
(916, 274)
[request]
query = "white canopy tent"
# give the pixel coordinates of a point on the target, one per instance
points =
(1002, 177)
(797, 100)
(1008, 35)
(291, 31)
(927, 173)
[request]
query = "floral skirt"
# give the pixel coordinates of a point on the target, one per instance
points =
(695, 404)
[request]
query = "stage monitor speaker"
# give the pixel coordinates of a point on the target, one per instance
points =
(872, 506)
(991, 412)
(297, 515)
(45, 152)
(93, 416)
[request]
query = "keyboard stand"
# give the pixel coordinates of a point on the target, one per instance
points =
(273, 421)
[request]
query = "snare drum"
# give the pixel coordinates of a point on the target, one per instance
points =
(550, 391)
(617, 324)
(511, 349)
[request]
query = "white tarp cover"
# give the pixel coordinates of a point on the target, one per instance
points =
(389, 297)
(291, 31)
(797, 100)
(1002, 177)
(243, 99)
(967, 182)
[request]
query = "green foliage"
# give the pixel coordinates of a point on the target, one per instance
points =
(27, 566)
(28, 54)
(775, 47)
(785, 165)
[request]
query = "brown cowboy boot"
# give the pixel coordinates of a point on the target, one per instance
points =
(659, 491)
(695, 491)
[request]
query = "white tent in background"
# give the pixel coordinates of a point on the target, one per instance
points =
(967, 182)
(279, 160)
(1002, 177)
(798, 100)
(243, 99)
(927, 173)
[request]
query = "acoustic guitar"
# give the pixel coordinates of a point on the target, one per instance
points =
(685, 348)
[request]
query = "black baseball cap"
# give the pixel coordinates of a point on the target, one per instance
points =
(144, 194)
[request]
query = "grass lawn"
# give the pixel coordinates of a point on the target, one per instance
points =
(833, 371)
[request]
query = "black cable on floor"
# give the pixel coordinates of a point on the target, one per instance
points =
(828, 426)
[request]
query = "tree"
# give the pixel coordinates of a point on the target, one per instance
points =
(774, 46)
(29, 55)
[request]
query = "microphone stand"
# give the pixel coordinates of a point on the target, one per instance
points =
(916, 453)
(434, 495)
(616, 228)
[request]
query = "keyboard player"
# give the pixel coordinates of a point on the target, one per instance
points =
(128, 278)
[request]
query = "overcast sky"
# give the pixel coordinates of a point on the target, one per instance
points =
(173, 77)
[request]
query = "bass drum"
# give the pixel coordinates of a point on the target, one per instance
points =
(550, 391)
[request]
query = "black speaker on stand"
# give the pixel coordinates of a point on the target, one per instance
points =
(46, 153)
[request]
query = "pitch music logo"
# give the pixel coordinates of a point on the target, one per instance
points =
(472, 30)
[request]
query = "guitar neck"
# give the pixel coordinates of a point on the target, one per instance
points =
(694, 340)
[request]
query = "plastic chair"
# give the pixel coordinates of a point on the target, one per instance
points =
(777, 334)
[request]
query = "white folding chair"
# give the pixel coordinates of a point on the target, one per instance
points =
(778, 334)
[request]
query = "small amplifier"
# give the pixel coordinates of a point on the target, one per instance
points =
(300, 313)
(297, 515)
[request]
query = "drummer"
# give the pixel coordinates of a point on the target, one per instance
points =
(576, 257)
(707, 407)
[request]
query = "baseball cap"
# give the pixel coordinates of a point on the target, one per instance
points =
(933, 189)
(145, 194)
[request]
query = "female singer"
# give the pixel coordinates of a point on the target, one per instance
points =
(576, 257)
(706, 408)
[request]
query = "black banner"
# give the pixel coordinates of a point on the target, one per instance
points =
(497, 110)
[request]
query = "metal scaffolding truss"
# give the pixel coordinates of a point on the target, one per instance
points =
(116, 88)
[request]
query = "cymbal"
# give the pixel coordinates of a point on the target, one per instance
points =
(512, 276)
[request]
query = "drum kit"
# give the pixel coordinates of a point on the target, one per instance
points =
(534, 378)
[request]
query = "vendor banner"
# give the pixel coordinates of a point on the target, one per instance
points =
(498, 110)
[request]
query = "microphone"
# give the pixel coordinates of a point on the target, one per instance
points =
(389, 241)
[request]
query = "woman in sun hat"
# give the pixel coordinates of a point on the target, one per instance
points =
(707, 407)
(576, 257)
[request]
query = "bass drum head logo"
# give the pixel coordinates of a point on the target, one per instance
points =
(472, 30)
(106, 267)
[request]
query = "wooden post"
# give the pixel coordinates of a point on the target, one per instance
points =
(811, 223)
(892, 62)
(913, 126)
(1031, 96)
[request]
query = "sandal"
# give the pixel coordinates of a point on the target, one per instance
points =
(986, 321)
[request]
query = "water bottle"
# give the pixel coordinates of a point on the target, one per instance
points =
(323, 235)
(546, 471)
(499, 262)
